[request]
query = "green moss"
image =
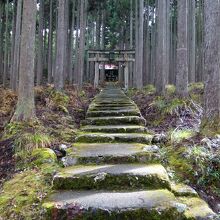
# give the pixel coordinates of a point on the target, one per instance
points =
(210, 126)
(170, 90)
(180, 135)
(42, 156)
(178, 162)
(66, 180)
(59, 98)
(195, 87)
(22, 196)
(149, 89)
(197, 208)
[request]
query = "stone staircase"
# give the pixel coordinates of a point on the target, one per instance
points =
(115, 173)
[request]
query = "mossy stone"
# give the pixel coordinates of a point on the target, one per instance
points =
(43, 155)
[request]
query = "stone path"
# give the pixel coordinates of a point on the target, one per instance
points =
(115, 173)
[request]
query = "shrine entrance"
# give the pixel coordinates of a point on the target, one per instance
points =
(110, 66)
(111, 72)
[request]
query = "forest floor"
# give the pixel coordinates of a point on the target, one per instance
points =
(59, 116)
(194, 155)
(192, 151)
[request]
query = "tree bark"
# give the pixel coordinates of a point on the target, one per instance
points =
(76, 65)
(82, 42)
(50, 48)
(131, 43)
(60, 52)
(192, 42)
(16, 55)
(212, 62)
(162, 44)
(1, 40)
(25, 109)
(72, 43)
(5, 73)
(182, 53)
(13, 31)
(40, 54)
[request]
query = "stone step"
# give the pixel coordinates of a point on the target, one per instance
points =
(112, 154)
(113, 108)
(115, 129)
(116, 97)
(104, 113)
(115, 120)
(110, 177)
(114, 138)
(144, 205)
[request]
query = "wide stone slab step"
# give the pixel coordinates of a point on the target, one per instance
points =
(123, 176)
(103, 113)
(114, 138)
(115, 129)
(144, 205)
(116, 99)
(123, 120)
(110, 108)
(112, 154)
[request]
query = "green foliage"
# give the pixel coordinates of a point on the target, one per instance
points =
(147, 90)
(207, 165)
(196, 87)
(196, 164)
(28, 136)
(29, 141)
(166, 105)
(59, 101)
(170, 90)
(180, 135)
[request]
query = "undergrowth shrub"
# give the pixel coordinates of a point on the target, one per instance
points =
(27, 136)
(207, 164)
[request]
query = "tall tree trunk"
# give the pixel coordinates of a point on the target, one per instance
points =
(50, 48)
(1, 40)
(82, 42)
(98, 27)
(139, 73)
(131, 43)
(192, 42)
(40, 55)
(12, 40)
(25, 109)
(212, 62)
(200, 42)
(66, 37)
(182, 54)
(16, 55)
(161, 66)
(76, 65)
(103, 42)
(5, 74)
(72, 30)
(60, 51)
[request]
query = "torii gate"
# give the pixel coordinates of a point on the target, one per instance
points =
(107, 56)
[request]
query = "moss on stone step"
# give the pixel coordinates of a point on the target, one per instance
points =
(104, 113)
(114, 138)
(111, 154)
(146, 205)
(115, 129)
(126, 176)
